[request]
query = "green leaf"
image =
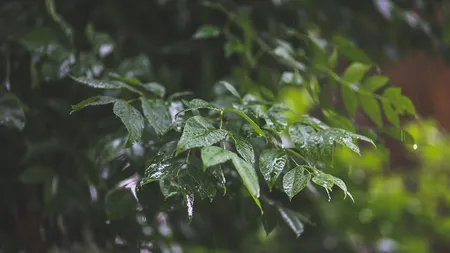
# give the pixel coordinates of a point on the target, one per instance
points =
(196, 104)
(11, 112)
(343, 186)
(244, 148)
(159, 169)
(206, 31)
(198, 132)
(355, 72)
(155, 88)
(332, 60)
(276, 118)
(169, 186)
(97, 100)
(157, 113)
(295, 180)
(36, 175)
(132, 119)
(271, 164)
(300, 133)
(350, 50)
(374, 83)
(371, 107)
(200, 182)
(349, 99)
(99, 84)
(269, 218)
(292, 219)
(120, 203)
(249, 178)
(217, 173)
(213, 155)
(390, 113)
(255, 126)
(231, 89)
(324, 180)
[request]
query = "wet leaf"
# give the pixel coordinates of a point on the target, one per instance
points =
(196, 104)
(276, 118)
(255, 126)
(36, 175)
(324, 180)
(271, 164)
(11, 112)
(300, 133)
(292, 219)
(249, 178)
(158, 169)
(341, 184)
(244, 148)
(99, 84)
(138, 66)
(295, 180)
(198, 132)
(132, 119)
(213, 155)
(157, 113)
(92, 101)
(206, 31)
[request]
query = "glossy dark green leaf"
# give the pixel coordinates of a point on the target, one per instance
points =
(217, 173)
(300, 133)
(157, 113)
(213, 155)
(371, 108)
(249, 178)
(244, 148)
(295, 180)
(11, 112)
(292, 219)
(350, 100)
(169, 186)
(159, 169)
(355, 72)
(198, 132)
(120, 203)
(271, 164)
(132, 119)
(255, 126)
(206, 31)
(276, 118)
(200, 182)
(99, 84)
(350, 50)
(92, 101)
(196, 104)
(374, 83)
(36, 175)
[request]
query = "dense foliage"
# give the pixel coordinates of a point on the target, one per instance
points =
(170, 170)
